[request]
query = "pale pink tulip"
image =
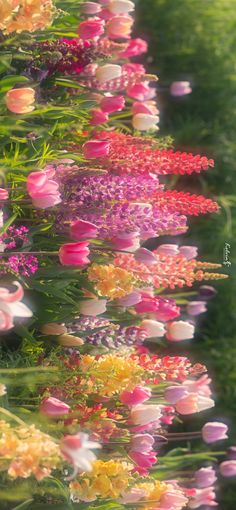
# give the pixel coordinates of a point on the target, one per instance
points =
(148, 107)
(108, 72)
(119, 27)
(144, 122)
(91, 28)
(110, 104)
(144, 461)
(193, 403)
(43, 190)
(126, 241)
(11, 306)
(200, 385)
(80, 229)
(77, 450)
(173, 500)
(93, 307)
(20, 101)
(133, 495)
(142, 443)
(179, 330)
(90, 8)
(144, 414)
(96, 149)
(145, 256)
(136, 396)
(174, 393)
(203, 497)
(228, 468)
(190, 252)
(120, 6)
(180, 88)
(168, 249)
(131, 299)
(134, 48)
(214, 431)
(3, 194)
(205, 477)
(53, 408)
(53, 328)
(74, 254)
(153, 328)
(196, 307)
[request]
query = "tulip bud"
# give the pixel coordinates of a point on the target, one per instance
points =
(108, 72)
(74, 254)
(175, 393)
(205, 477)
(94, 149)
(148, 107)
(98, 117)
(140, 91)
(153, 328)
(110, 104)
(145, 256)
(137, 396)
(3, 194)
(3, 390)
(143, 414)
(90, 8)
(93, 307)
(134, 48)
(53, 328)
(54, 408)
(214, 431)
(196, 307)
(180, 88)
(91, 28)
(21, 100)
(128, 242)
(179, 330)
(207, 291)
(167, 310)
(193, 403)
(142, 443)
(168, 249)
(70, 341)
(144, 122)
(119, 27)
(228, 468)
(131, 299)
(133, 495)
(120, 6)
(190, 252)
(80, 229)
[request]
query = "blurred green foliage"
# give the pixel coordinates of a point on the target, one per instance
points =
(196, 41)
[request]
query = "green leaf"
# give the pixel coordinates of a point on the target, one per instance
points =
(8, 223)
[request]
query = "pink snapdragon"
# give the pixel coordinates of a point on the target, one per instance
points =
(136, 396)
(74, 254)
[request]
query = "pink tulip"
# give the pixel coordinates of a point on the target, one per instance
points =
(203, 497)
(96, 149)
(228, 468)
(173, 500)
(119, 27)
(179, 330)
(93, 307)
(193, 403)
(139, 91)
(153, 328)
(43, 190)
(131, 299)
(90, 8)
(80, 229)
(214, 431)
(120, 6)
(147, 305)
(134, 48)
(108, 72)
(11, 306)
(142, 443)
(144, 414)
(168, 250)
(77, 450)
(98, 117)
(74, 254)
(91, 28)
(168, 310)
(54, 408)
(180, 88)
(143, 460)
(145, 256)
(200, 385)
(190, 252)
(126, 241)
(20, 101)
(136, 396)
(3, 194)
(133, 495)
(145, 122)
(196, 307)
(148, 107)
(105, 14)
(205, 477)
(110, 104)
(174, 393)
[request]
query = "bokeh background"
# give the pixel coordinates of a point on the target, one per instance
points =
(196, 41)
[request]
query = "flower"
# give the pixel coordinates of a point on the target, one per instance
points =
(168, 249)
(120, 6)
(196, 307)
(228, 468)
(96, 149)
(180, 88)
(203, 497)
(70, 340)
(108, 72)
(133, 495)
(11, 306)
(193, 403)
(134, 48)
(93, 307)
(80, 229)
(142, 443)
(207, 291)
(91, 28)
(21, 100)
(110, 104)
(43, 190)
(143, 414)
(214, 431)
(205, 477)
(126, 241)
(174, 393)
(145, 256)
(98, 117)
(148, 107)
(110, 281)
(3, 194)
(153, 328)
(190, 252)
(53, 408)
(74, 254)
(167, 310)
(130, 299)
(18, 16)
(137, 396)
(144, 461)
(3, 390)
(179, 330)
(119, 27)
(144, 121)
(53, 328)
(90, 8)
(77, 450)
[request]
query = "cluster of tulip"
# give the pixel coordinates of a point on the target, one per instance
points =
(86, 306)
